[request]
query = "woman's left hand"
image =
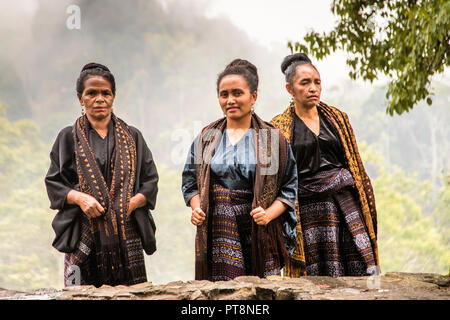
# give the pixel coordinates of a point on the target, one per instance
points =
(260, 216)
(131, 207)
(137, 201)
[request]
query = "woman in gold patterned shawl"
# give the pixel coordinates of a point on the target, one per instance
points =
(103, 181)
(240, 181)
(337, 225)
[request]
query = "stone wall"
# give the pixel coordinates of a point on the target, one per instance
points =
(392, 286)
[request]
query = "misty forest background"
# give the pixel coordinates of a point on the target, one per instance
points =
(166, 61)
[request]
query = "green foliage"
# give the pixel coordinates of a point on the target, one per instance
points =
(408, 238)
(13, 92)
(27, 260)
(174, 258)
(408, 41)
(441, 213)
(19, 142)
(418, 141)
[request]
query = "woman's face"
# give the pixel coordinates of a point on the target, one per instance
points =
(235, 98)
(306, 86)
(97, 97)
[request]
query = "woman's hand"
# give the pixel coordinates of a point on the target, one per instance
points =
(91, 207)
(197, 217)
(88, 204)
(260, 216)
(263, 217)
(137, 201)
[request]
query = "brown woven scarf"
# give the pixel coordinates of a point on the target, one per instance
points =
(339, 119)
(265, 239)
(108, 231)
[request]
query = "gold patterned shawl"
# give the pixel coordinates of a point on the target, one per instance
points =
(296, 266)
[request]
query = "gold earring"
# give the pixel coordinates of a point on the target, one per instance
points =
(83, 112)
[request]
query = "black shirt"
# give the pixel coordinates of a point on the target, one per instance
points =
(314, 153)
(103, 149)
(62, 173)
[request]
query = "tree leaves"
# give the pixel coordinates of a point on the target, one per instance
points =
(408, 41)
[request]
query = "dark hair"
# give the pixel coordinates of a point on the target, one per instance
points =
(243, 68)
(95, 69)
(290, 63)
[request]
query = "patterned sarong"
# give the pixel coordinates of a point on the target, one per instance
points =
(336, 242)
(87, 263)
(231, 230)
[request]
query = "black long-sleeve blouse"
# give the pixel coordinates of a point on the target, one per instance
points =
(62, 176)
(316, 152)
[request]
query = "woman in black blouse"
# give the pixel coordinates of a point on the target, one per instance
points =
(103, 181)
(336, 233)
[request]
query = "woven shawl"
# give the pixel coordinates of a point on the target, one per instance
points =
(296, 266)
(107, 233)
(264, 238)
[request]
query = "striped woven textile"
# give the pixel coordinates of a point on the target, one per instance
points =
(336, 242)
(231, 229)
(85, 259)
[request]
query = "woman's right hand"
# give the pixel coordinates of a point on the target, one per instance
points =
(88, 204)
(198, 216)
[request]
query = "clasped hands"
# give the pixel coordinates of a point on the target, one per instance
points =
(259, 215)
(93, 209)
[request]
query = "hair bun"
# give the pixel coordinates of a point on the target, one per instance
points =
(95, 69)
(94, 65)
(288, 60)
(243, 63)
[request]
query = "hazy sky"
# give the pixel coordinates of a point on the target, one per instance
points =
(275, 22)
